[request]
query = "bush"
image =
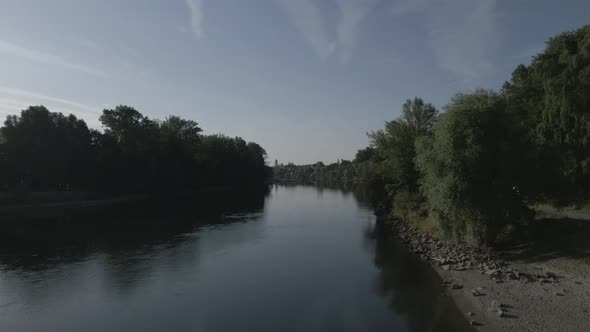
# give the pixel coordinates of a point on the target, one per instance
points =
(472, 168)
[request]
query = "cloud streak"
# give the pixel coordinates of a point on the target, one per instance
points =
(327, 37)
(462, 34)
(352, 15)
(47, 58)
(196, 17)
(12, 101)
(305, 15)
(463, 37)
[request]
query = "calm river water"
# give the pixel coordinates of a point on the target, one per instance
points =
(292, 259)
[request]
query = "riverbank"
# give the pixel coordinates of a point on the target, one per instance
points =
(43, 201)
(72, 204)
(521, 289)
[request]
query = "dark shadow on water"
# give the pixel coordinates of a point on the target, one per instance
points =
(60, 236)
(414, 290)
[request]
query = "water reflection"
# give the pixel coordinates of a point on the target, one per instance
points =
(413, 289)
(44, 241)
(294, 259)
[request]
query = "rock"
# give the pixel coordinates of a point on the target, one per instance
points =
(474, 323)
(495, 305)
(446, 267)
(470, 314)
(497, 280)
(476, 292)
(456, 286)
(500, 313)
(514, 275)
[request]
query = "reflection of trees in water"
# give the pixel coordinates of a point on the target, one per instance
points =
(413, 288)
(362, 193)
(44, 242)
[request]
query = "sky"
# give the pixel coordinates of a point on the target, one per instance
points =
(306, 79)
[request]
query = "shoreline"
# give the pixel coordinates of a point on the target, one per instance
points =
(73, 203)
(498, 291)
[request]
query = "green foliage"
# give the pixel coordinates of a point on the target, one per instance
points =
(395, 153)
(225, 160)
(41, 150)
(552, 96)
(395, 145)
(365, 154)
(472, 168)
(345, 173)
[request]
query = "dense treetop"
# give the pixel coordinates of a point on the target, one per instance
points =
(47, 151)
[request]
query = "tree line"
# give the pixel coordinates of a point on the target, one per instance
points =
(477, 168)
(48, 151)
(342, 173)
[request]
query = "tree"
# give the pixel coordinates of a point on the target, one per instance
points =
(365, 154)
(395, 153)
(473, 168)
(394, 145)
(551, 97)
(137, 138)
(45, 150)
(41, 150)
(186, 132)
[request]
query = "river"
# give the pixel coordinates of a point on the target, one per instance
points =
(291, 259)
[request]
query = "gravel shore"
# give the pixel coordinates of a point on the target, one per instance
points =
(500, 291)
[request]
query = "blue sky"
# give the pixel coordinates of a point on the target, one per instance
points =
(304, 78)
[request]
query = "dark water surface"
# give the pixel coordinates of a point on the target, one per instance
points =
(294, 259)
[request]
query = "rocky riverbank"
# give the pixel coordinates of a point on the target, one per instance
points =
(499, 293)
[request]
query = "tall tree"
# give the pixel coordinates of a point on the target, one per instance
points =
(551, 96)
(46, 150)
(395, 152)
(473, 168)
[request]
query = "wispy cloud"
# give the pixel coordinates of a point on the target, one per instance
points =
(12, 101)
(196, 12)
(47, 58)
(305, 15)
(352, 15)
(404, 7)
(462, 34)
(88, 43)
(316, 27)
(464, 37)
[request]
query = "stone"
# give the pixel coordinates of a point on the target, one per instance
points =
(456, 286)
(495, 305)
(470, 314)
(446, 267)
